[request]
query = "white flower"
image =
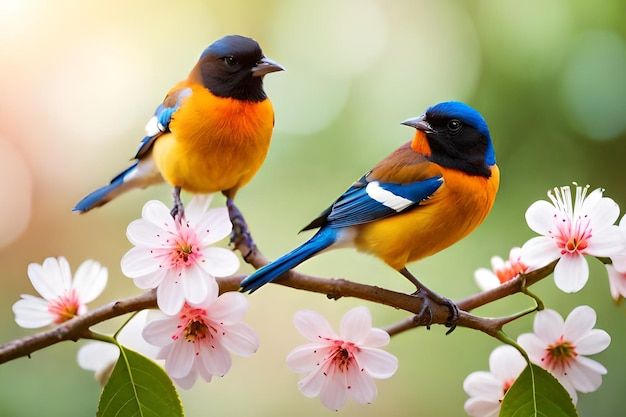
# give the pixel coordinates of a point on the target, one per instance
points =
(487, 389)
(501, 271)
(100, 357)
(199, 339)
(619, 259)
(617, 283)
(559, 347)
(175, 256)
(62, 297)
(337, 365)
(570, 231)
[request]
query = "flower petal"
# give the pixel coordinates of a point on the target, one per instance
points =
(539, 251)
(161, 332)
(594, 341)
(378, 363)
(506, 363)
(356, 324)
(180, 359)
(151, 280)
(97, 356)
(604, 213)
(170, 295)
(477, 407)
(214, 226)
(197, 207)
(240, 339)
(584, 379)
(606, 242)
(483, 385)
(307, 357)
(48, 279)
(216, 359)
(334, 390)
(540, 217)
(571, 273)
(485, 279)
(311, 385)
(313, 325)
(361, 386)
(617, 282)
(138, 262)
(195, 284)
(534, 347)
(141, 232)
(579, 322)
(159, 215)
(229, 307)
(219, 262)
(90, 280)
(188, 381)
(32, 312)
(376, 338)
(548, 325)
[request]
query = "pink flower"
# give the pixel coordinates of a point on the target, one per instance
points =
(501, 271)
(175, 256)
(63, 298)
(487, 389)
(198, 340)
(559, 347)
(619, 259)
(100, 357)
(570, 231)
(338, 365)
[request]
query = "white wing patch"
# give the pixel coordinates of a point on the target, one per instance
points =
(153, 127)
(387, 198)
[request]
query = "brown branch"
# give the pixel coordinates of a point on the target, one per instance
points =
(78, 327)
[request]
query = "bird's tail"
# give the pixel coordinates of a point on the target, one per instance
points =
(322, 240)
(139, 174)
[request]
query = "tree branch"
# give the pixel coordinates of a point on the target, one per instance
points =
(78, 327)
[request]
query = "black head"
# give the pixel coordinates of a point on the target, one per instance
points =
(457, 137)
(234, 66)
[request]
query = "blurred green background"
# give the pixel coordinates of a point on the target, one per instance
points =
(78, 81)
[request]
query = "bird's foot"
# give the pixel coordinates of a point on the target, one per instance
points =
(425, 315)
(178, 211)
(241, 232)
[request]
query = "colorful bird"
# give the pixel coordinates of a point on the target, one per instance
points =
(212, 131)
(428, 194)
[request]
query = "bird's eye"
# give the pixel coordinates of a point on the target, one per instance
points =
(230, 61)
(454, 125)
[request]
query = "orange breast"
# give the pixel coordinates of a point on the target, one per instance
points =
(455, 210)
(216, 144)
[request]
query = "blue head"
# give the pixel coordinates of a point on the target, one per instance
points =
(457, 137)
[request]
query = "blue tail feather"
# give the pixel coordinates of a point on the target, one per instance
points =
(102, 194)
(322, 240)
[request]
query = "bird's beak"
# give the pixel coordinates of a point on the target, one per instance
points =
(419, 123)
(265, 66)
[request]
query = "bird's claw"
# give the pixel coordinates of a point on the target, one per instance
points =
(178, 211)
(241, 232)
(425, 315)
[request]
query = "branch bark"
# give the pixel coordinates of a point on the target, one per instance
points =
(78, 327)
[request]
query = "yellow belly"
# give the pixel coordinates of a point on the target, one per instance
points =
(215, 144)
(454, 211)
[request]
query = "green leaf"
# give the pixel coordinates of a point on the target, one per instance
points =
(536, 393)
(138, 387)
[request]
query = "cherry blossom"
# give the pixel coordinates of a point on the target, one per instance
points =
(63, 298)
(617, 283)
(338, 365)
(199, 339)
(619, 259)
(560, 347)
(569, 231)
(175, 256)
(487, 389)
(501, 271)
(100, 357)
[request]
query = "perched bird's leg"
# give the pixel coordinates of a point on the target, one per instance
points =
(429, 296)
(240, 228)
(178, 209)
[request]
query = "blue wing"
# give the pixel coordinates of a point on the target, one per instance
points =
(160, 122)
(367, 201)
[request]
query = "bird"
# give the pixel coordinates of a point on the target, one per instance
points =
(211, 133)
(422, 198)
